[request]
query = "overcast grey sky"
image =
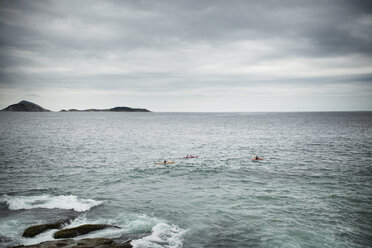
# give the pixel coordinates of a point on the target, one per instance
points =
(187, 55)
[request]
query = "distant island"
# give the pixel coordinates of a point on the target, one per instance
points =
(25, 106)
(116, 109)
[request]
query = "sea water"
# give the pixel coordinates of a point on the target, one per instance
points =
(313, 188)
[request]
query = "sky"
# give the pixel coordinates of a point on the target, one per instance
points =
(187, 56)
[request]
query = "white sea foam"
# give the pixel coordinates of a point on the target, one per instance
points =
(50, 202)
(140, 223)
(162, 235)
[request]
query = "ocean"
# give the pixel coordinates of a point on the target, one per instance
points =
(312, 189)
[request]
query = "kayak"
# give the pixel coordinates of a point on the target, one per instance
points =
(257, 159)
(190, 157)
(165, 162)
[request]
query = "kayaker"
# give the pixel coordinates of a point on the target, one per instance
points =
(165, 161)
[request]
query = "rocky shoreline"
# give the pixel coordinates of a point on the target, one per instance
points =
(86, 243)
(64, 236)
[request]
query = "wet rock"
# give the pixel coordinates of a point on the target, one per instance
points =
(32, 231)
(83, 243)
(80, 230)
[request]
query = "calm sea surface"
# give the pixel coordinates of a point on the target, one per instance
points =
(313, 188)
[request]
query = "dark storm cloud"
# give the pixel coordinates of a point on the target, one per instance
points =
(166, 46)
(333, 26)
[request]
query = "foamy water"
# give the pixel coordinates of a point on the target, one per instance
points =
(162, 235)
(50, 202)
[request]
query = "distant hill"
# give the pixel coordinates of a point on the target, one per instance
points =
(25, 106)
(116, 109)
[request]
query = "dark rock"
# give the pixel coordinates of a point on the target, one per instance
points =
(83, 243)
(32, 231)
(25, 106)
(80, 230)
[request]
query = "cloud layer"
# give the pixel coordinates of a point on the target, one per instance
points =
(187, 55)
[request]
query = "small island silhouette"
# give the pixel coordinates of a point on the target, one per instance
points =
(26, 106)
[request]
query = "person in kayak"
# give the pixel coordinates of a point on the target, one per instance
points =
(255, 157)
(165, 161)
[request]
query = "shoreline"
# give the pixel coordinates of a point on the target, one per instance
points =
(87, 242)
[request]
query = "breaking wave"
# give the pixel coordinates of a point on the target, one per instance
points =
(162, 235)
(50, 202)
